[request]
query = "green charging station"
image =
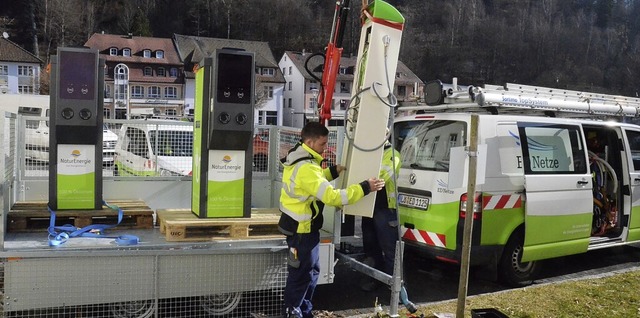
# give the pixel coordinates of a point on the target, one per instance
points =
(75, 130)
(222, 135)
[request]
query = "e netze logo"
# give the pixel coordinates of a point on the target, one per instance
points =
(226, 159)
(75, 153)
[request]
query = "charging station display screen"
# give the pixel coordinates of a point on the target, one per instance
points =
(234, 80)
(77, 75)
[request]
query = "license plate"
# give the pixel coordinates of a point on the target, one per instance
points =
(412, 201)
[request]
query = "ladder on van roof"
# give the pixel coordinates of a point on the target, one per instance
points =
(525, 99)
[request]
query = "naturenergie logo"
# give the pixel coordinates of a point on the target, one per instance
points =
(226, 159)
(75, 153)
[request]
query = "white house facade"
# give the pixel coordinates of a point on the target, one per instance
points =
(19, 69)
(301, 88)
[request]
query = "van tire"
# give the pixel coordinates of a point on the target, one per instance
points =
(511, 270)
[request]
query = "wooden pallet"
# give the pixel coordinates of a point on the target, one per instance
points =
(34, 216)
(183, 225)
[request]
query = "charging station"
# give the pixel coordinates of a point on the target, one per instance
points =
(222, 135)
(374, 80)
(75, 130)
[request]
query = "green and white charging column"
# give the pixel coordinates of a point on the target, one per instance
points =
(75, 130)
(222, 135)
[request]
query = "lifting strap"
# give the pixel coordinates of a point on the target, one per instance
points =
(60, 234)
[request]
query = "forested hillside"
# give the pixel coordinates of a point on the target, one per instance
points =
(575, 44)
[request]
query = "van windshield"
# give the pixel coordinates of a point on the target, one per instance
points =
(427, 145)
(173, 143)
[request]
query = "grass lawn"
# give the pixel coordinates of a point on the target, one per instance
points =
(610, 296)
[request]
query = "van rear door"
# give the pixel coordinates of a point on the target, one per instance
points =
(632, 137)
(558, 191)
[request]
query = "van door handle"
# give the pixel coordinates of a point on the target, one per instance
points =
(583, 182)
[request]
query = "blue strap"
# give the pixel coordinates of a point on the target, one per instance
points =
(60, 234)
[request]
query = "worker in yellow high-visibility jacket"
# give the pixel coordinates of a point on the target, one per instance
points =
(305, 191)
(380, 232)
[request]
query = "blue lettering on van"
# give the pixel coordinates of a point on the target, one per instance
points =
(443, 187)
(525, 101)
(515, 136)
(539, 162)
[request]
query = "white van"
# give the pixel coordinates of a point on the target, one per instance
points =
(154, 148)
(552, 186)
(37, 141)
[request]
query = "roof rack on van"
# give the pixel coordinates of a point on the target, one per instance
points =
(525, 99)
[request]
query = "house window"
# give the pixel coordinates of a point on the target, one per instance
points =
(4, 74)
(283, 70)
(343, 70)
(126, 52)
(402, 91)
(268, 92)
(120, 73)
(113, 51)
(25, 89)
(290, 85)
(146, 53)
(107, 91)
(159, 54)
(268, 117)
(343, 87)
(137, 91)
(170, 92)
(290, 103)
(343, 104)
(313, 102)
(268, 71)
(25, 70)
(161, 72)
(290, 70)
(153, 92)
(148, 71)
(173, 72)
(313, 85)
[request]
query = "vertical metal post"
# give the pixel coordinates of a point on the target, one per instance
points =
(396, 286)
(468, 220)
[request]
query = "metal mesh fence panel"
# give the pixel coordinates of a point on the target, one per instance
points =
(35, 145)
(152, 148)
(287, 138)
(204, 285)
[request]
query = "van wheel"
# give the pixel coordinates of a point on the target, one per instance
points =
(220, 304)
(260, 162)
(512, 271)
(133, 309)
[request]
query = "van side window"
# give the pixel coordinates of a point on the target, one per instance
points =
(634, 145)
(552, 149)
(137, 143)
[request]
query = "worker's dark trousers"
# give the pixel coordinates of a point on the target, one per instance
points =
(379, 236)
(302, 280)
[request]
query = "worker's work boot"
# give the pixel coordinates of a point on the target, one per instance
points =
(292, 313)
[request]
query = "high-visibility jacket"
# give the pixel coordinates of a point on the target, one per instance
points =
(390, 166)
(306, 189)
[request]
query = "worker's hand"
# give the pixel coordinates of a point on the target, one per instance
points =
(375, 184)
(340, 168)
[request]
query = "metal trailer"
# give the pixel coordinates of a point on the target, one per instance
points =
(94, 277)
